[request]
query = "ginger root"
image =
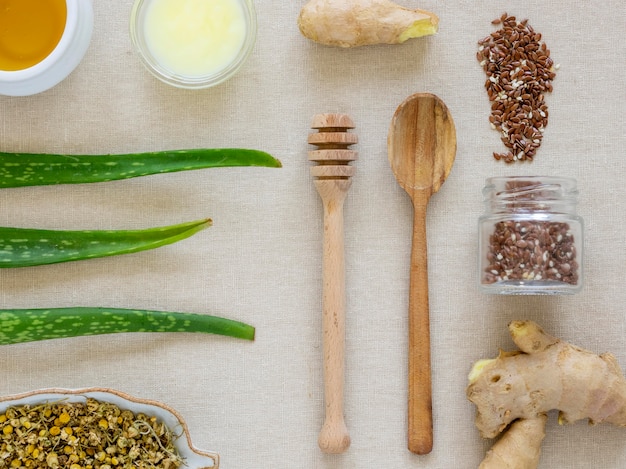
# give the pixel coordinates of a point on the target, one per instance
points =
(519, 447)
(352, 23)
(547, 374)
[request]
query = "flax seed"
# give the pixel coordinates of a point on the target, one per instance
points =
(519, 72)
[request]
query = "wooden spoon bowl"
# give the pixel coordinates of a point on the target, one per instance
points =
(421, 148)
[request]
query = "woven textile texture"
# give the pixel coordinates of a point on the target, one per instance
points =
(260, 404)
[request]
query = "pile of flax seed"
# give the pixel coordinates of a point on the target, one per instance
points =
(519, 72)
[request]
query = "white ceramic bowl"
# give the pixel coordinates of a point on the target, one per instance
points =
(62, 60)
(194, 458)
(156, 68)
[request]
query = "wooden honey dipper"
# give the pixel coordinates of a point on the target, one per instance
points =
(332, 180)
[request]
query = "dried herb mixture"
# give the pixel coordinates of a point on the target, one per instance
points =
(91, 435)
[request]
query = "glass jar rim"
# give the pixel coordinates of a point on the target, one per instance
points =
(516, 187)
(562, 180)
(526, 194)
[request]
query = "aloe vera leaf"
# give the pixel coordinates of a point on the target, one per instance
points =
(28, 325)
(40, 169)
(25, 247)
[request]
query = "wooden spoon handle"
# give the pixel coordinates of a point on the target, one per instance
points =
(420, 419)
(334, 436)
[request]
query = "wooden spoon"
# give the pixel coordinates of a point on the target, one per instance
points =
(421, 146)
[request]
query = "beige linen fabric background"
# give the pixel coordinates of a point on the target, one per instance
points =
(260, 404)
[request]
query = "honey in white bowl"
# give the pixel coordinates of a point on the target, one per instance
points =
(41, 43)
(29, 31)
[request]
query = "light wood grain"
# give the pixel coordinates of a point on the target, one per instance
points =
(332, 183)
(421, 147)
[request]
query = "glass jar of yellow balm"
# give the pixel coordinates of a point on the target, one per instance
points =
(42, 42)
(530, 238)
(193, 43)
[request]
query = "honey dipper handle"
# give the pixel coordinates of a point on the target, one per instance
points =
(334, 436)
(332, 180)
(420, 419)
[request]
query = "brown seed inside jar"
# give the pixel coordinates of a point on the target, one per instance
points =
(531, 251)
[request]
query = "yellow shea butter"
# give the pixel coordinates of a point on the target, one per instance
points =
(195, 38)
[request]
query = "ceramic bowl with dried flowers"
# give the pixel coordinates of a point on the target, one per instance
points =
(95, 427)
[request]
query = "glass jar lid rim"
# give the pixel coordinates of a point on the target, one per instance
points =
(530, 189)
(547, 179)
(512, 183)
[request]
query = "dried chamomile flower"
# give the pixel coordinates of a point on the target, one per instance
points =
(90, 435)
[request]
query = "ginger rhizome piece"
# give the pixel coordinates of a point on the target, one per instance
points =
(519, 388)
(352, 23)
(546, 374)
(519, 447)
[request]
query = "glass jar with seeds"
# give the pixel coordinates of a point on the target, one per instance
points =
(530, 238)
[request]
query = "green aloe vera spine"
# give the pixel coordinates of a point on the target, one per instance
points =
(39, 169)
(25, 247)
(28, 325)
